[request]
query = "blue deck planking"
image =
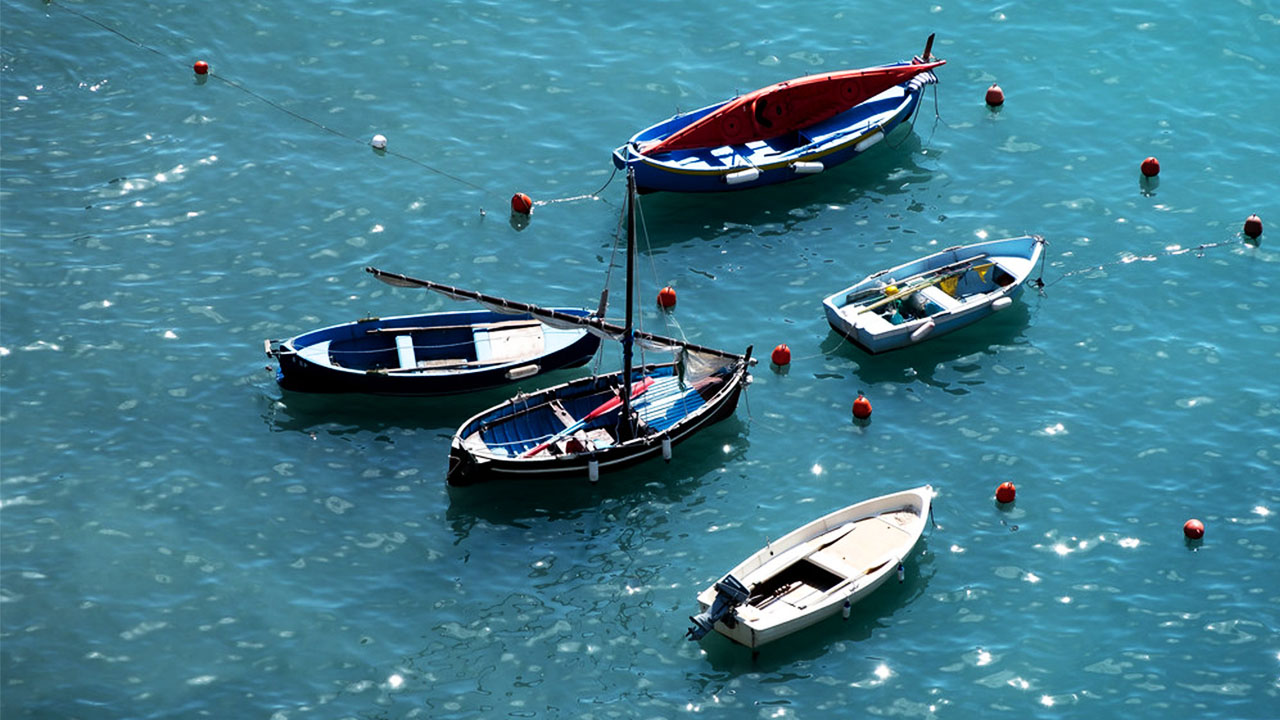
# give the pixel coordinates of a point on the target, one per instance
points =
(663, 404)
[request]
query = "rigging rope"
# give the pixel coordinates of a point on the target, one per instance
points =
(670, 319)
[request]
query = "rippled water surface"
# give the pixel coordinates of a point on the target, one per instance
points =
(179, 538)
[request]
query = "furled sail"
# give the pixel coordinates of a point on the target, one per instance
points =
(594, 323)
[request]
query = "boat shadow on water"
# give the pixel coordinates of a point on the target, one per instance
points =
(521, 502)
(871, 617)
(777, 209)
(341, 413)
(923, 362)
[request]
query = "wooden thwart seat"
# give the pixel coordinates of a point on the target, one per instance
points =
(508, 344)
(939, 297)
(405, 353)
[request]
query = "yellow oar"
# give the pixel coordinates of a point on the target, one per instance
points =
(916, 288)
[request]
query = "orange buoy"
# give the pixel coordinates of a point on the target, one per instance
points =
(1193, 529)
(667, 297)
(995, 96)
(1150, 167)
(1253, 227)
(1006, 492)
(781, 355)
(861, 407)
(521, 203)
(201, 67)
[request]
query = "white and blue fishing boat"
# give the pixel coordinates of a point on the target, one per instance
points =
(607, 421)
(812, 573)
(934, 295)
(442, 353)
(779, 133)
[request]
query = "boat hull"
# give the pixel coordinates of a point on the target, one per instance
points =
(792, 156)
(430, 354)
(501, 456)
(787, 107)
(987, 284)
(809, 574)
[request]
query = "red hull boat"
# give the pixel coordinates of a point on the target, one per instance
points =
(789, 106)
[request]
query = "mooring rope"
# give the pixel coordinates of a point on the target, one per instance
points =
(589, 196)
(1151, 257)
(311, 121)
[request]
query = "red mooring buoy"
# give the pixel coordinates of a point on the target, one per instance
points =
(1151, 167)
(781, 355)
(521, 203)
(1193, 529)
(1253, 227)
(1006, 492)
(995, 96)
(667, 297)
(201, 67)
(861, 407)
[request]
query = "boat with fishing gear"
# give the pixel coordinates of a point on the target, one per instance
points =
(782, 132)
(441, 353)
(812, 573)
(933, 295)
(605, 421)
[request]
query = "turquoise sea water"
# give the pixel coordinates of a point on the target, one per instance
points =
(178, 538)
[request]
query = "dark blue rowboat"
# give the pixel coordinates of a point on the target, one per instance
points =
(543, 435)
(440, 353)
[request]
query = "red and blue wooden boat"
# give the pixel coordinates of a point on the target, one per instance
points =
(778, 133)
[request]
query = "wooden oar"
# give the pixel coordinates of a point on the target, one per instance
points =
(949, 267)
(918, 287)
(458, 364)
(902, 293)
(605, 407)
(479, 326)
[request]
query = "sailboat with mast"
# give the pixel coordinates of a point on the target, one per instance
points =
(606, 421)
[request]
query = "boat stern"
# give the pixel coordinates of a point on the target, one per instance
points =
(464, 468)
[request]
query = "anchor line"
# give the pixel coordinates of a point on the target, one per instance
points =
(1039, 281)
(1198, 250)
(589, 196)
(915, 115)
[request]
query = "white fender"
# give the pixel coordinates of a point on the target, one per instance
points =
(868, 141)
(593, 470)
(742, 176)
(1001, 303)
(666, 448)
(807, 168)
(922, 332)
(524, 371)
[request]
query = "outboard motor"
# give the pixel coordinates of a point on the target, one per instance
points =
(730, 593)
